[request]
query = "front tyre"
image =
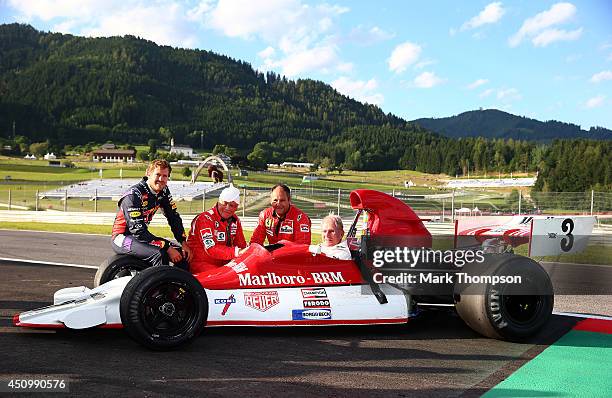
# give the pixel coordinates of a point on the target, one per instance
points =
(163, 307)
(508, 311)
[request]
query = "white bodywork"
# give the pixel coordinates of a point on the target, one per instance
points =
(81, 307)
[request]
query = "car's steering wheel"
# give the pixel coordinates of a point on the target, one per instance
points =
(273, 247)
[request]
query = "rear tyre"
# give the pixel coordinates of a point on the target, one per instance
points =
(117, 266)
(163, 307)
(508, 311)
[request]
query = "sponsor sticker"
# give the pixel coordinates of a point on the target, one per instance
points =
(135, 214)
(208, 243)
(317, 303)
(220, 236)
(206, 233)
(314, 293)
(233, 229)
(304, 228)
(237, 267)
(286, 227)
(145, 203)
(261, 301)
(228, 301)
(311, 314)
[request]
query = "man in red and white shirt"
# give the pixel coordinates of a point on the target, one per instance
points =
(282, 221)
(216, 235)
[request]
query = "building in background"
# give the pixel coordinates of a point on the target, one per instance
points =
(114, 155)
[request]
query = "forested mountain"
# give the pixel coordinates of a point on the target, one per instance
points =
(127, 88)
(493, 123)
(63, 89)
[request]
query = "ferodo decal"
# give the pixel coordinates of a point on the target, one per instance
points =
(314, 293)
(261, 301)
(135, 214)
(311, 315)
(273, 279)
(317, 303)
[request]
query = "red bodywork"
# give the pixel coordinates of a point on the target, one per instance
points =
(292, 265)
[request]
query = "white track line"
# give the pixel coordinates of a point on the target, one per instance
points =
(19, 260)
(573, 314)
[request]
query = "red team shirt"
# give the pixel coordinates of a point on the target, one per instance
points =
(213, 240)
(295, 227)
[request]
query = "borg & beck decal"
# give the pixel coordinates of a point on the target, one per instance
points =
(261, 301)
(311, 314)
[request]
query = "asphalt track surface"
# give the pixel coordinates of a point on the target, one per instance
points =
(435, 355)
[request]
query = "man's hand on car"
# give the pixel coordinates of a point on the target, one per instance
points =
(187, 251)
(175, 255)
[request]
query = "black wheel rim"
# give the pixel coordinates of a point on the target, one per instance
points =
(168, 309)
(522, 310)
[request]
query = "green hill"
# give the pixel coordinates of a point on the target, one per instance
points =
(493, 123)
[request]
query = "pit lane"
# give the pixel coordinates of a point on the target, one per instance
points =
(436, 355)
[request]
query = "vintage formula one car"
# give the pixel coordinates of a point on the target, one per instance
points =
(286, 285)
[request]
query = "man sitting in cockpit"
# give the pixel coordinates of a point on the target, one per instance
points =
(332, 246)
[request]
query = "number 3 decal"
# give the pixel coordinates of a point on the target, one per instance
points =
(567, 226)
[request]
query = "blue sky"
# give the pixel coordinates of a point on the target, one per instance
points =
(540, 59)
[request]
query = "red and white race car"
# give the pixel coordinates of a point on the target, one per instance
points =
(286, 285)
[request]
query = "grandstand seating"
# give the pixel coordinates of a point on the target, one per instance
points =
(113, 189)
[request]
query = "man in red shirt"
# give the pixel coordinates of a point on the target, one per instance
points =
(216, 235)
(282, 221)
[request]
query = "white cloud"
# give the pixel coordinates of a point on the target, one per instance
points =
(490, 14)
(403, 56)
(317, 58)
(360, 90)
(510, 94)
(50, 9)
(427, 80)
(601, 76)
(267, 53)
(366, 37)
(164, 21)
(486, 93)
(162, 24)
(302, 33)
(537, 26)
(477, 83)
(553, 35)
(424, 63)
(595, 101)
